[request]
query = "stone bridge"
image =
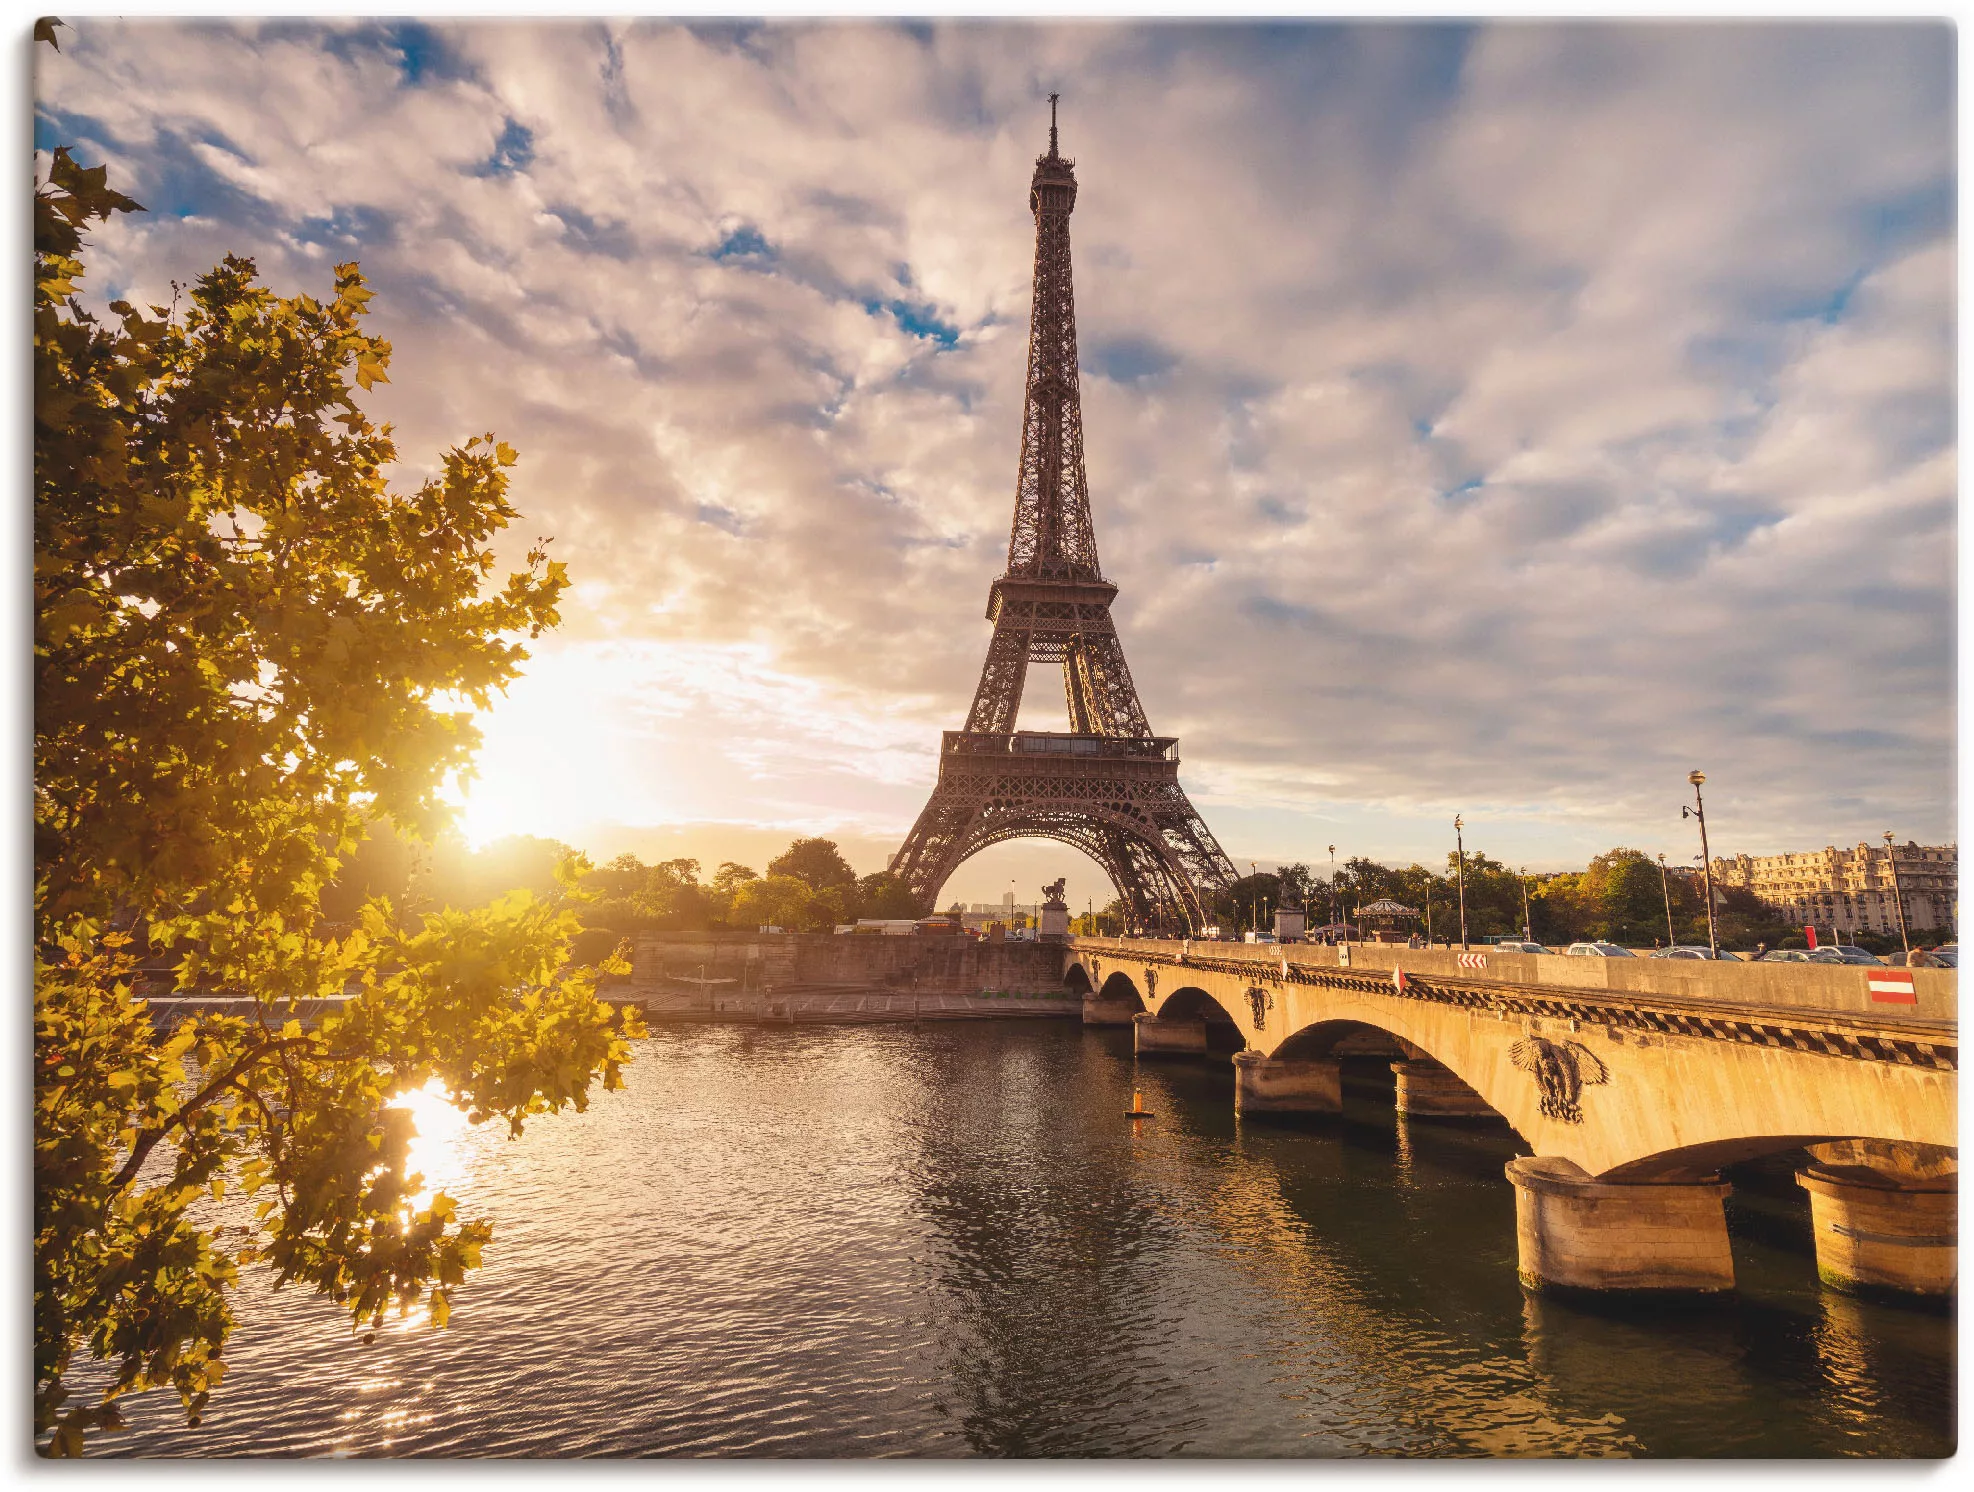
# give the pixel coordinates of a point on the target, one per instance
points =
(1632, 1081)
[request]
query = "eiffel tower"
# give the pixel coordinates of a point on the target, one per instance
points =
(1107, 785)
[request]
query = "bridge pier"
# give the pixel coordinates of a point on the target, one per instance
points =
(1429, 1091)
(1576, 1233)
(1150, 1035)
(1284, 1085)
(1880, 1231)
(1101, 1012)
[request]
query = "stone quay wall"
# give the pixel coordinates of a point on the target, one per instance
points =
(684, 973)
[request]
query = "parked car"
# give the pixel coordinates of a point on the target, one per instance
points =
(1946, 956)
(1598, 950)
(1686, 950)
(1842, 953)
(1517, 946)
(1785, 956)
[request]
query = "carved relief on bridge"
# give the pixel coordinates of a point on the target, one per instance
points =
(1151, 987)
(1260, 1002)
(1562, 1069)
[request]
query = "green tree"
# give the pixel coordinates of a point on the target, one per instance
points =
(816, 861)
(1249, 903)
(774, 901)
(1494, 897)
(881, 894)
(245, 647)
(1623, 889)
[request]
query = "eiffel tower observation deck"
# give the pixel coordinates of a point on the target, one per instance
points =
(1108, 785)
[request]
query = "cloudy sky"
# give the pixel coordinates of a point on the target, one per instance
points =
(1492, 420)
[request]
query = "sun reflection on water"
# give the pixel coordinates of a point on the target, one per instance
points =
(438, 1153)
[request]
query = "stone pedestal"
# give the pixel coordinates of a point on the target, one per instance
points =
(1150, 1035)
(1270, 1085)
(1427, 1090)
(1878, 1232)
(1098, 1012)
(1578, 1234)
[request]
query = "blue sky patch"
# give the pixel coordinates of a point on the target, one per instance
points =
(916, 321)
(744, 242)
(513, 151)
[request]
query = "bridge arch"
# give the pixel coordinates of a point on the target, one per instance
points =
(1689, 1162)
(1191, 1003)
(1119, 986)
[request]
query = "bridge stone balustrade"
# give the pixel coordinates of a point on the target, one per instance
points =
(1631, 1080)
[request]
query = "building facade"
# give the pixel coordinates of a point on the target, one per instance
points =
(1851, 890)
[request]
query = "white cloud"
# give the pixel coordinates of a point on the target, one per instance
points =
(1502, 422)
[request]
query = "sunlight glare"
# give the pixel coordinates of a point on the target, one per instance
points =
(438, 1152)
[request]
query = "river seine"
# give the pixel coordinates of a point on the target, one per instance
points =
(946, 1240)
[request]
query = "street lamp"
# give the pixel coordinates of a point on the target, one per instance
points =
(1528, 927)
(1333, 885)
(1665, 890)
(1898, 900)
(1699, 811)
(1460, 860)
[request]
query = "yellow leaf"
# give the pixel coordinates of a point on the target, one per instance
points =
(441, 1308)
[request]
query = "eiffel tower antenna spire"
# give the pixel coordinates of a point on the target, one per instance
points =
(1108, 786)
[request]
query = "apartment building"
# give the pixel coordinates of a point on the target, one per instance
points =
(1851, 890)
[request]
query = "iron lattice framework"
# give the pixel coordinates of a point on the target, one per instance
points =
(1107, 785)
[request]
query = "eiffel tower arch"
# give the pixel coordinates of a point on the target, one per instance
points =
(1107, 785)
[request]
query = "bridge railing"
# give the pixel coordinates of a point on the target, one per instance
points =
(1932, 996)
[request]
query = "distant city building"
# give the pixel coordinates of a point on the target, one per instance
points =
(1851, 890)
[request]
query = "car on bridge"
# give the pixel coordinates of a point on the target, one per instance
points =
(1785, 956)
(1598, 950)
(1688, 950)
(1843, 953)
(1516, 945)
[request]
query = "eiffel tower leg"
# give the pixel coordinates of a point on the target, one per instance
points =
(997, 700)
(936, 845)
(1113, 699)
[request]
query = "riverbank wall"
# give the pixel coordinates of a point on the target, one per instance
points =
(810, 977)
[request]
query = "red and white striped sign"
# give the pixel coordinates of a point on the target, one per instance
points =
(1398, 980)
(1891, 987)
(1473, 960)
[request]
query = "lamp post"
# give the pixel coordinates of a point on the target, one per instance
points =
(1528, 927)
(1898, 899)
(1460, 862)
(1333, 885)
(1665, 890)
(1699, 811)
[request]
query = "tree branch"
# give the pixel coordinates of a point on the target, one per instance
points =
(146, 1143)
